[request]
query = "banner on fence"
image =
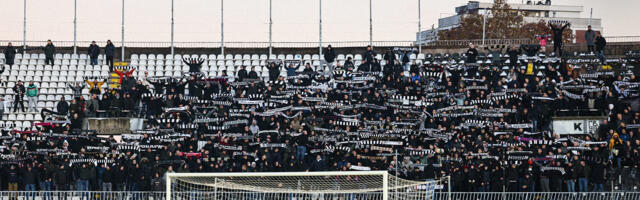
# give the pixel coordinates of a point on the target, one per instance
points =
(576, 126)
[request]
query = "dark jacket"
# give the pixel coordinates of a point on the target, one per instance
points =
(93, 51)
(369, 55)
(19, 90)
(49, 50)
(10, 53)
(109, 50)
(29, 177)
(557, 33)
(472, 53)
(83, 173)
(330, 55)
(61, 177)
(600, 43)
(242, 74)
(589, 37)
(63, 107)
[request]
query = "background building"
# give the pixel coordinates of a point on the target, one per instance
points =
(532, 11)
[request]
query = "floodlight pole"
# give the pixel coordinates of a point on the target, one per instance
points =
(419, 28)
(222, 27)
(270, 29)
(24, 29)
(484, 25)
(172, 57)
(75, 22)
(320, 31)
(370, 25)
(122, 40)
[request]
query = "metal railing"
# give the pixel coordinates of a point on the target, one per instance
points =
(539, 196)
(152, 195)
(338, 44)
(616, 39)
(160, 44)
(478, 42)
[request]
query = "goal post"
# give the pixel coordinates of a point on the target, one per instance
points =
(379, 185)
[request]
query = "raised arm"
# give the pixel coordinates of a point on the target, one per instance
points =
(131, 72)
(91, 84)
(565, 26)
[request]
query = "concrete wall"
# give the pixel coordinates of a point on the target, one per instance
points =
(108, 126)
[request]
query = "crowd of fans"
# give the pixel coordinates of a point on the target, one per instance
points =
(483, 120)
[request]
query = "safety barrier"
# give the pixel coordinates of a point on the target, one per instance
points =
(128, 195)
(539, 196)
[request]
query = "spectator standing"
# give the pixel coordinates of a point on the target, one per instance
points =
(77, 90)
(107, 177)
(601, 43)
(405, 60)
(49, 51)
(83, 175)
(93, 52)
(513, 53)
(557, 37)
(12, 178)
(569, 178)
(19, 91)
(93, 105)
(242, 73)
(61, 178)
(389, 57)
(369, 54)
(274, 71)
(589, 37)
(29, 179)
(10, 55)
(109, 51)
(62, 106)
(95, 86)
(32, 96)
(330, 58)
(581, 172)
(472, 54)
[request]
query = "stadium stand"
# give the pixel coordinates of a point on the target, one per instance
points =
(486, 121)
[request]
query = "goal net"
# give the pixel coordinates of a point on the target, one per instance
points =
(350, 185)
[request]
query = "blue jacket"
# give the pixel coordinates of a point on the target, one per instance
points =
(110, 50)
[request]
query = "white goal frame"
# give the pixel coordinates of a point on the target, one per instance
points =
(383, 174)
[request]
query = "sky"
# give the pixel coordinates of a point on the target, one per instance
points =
(247, 20)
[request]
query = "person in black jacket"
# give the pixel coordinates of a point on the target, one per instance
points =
(274, 71)
(472, 54)
(93, 52)
(557, 37)
(29, 179)
(49, 51)
(61, 179)
(12, 178)
(253, 74)
(194, 64)
(369, 54)
(109, 51)
(242, 73)
(330, 57)
(600, 44)
(10, 55)
(119, 178)
(19, 91)
(513, 53)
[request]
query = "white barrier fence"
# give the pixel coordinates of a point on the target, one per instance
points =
(127, 195)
